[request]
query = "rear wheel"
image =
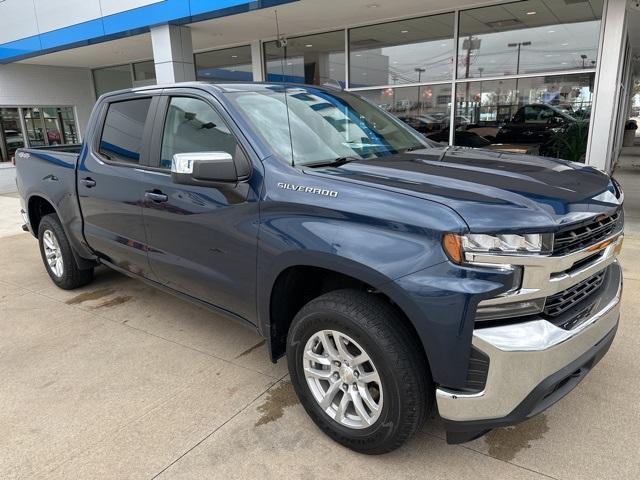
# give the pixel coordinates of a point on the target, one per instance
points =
(358, 371)
(57, 255)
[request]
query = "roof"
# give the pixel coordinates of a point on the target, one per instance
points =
(223, 87)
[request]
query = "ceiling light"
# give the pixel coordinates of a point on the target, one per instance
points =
(372, 5)
(404, 31)
(531, 13)
(234, 56)
(551, 31)
(564, 44)
(309, 45)
(358, 54)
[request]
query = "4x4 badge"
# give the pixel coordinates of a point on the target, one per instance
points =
(303, 189)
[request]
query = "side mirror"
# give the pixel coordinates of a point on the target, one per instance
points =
(203, 168)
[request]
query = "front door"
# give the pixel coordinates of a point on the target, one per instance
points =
(202, 240)
(112, 183)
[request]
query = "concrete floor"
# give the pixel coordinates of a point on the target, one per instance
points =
(118, 380)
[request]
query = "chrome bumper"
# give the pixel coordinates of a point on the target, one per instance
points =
(523, 355)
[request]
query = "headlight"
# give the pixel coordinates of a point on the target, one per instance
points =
(502, 244)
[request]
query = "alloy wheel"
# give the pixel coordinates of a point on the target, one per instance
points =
(343, 379)
(53, 253)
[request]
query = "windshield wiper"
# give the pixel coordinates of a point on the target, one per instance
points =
(336, 162)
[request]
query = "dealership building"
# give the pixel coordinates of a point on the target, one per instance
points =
(550, 77)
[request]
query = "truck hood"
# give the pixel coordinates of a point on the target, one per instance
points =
(491, 191)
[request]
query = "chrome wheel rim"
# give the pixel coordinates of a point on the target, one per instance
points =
(343, 379)
(52, 253)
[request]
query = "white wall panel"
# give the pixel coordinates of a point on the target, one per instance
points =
(27, 85)
(55, 15)
(22, 20)
(109, 7)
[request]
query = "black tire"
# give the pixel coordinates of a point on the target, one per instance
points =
(72, 277)
(398, 357)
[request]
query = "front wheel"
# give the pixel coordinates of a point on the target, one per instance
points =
(358, 370)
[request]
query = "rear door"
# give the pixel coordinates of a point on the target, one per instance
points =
(203, 240)
(112, 180)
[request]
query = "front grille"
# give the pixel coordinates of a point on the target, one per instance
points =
(561, 302)
(586, 235)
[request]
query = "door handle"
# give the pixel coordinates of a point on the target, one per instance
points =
(88, 182)
(156, 196)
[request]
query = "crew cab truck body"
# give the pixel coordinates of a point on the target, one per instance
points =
(391, 271)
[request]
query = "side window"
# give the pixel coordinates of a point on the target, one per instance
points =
(192, 125)
(123, 130)
(519, 116)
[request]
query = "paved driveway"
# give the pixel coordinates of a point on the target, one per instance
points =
(118, 380)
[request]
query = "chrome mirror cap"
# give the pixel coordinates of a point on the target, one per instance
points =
(182, 163)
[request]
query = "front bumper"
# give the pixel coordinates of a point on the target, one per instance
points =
(531, 366)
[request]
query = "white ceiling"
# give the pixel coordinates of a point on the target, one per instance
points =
(303, 16)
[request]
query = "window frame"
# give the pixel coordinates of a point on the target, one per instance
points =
(146, 134)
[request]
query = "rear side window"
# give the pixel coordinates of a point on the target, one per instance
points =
(123, 130)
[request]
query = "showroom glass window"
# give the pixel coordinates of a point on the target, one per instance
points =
(425, 108)
(144, 73)
(227, 65)
(402, 52)
(312, 59)
(47, 126)
(547, 115)
(529, 37)
(11, 137)
(110, 79)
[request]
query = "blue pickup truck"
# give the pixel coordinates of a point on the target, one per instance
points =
(394, 273)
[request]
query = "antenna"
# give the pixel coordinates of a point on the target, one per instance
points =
(282, 43)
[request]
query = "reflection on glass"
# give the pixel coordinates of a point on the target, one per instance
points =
(112, 78)
(50, 126)
(541, 115)
(11, 137)
(316, 126)
(227, 65)
(529, 37)
(35, 127)
(406, 51)
(312, 59)
(426, 108)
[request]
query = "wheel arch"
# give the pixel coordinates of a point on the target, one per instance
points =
(38, 206)
(296, 283)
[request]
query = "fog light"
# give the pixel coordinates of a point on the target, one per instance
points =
(509, 310)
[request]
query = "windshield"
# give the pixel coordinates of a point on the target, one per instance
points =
(325, 126)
